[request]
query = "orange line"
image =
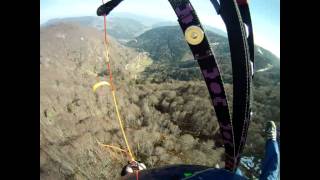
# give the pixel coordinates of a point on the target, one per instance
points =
(113, 90)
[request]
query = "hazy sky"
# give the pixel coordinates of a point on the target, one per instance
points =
(265, 14)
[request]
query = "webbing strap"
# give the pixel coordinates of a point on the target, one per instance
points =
(187, 17)
(242, 58)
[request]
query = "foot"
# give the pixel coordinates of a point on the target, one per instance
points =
(271, 130)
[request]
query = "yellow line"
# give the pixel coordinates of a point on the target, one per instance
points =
(115, 101)
(114, 147)
(121, 125)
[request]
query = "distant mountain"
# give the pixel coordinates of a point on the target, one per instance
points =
(164, 23)
(174, 23)
(121, 28)
(124, 26)
(88, 21)
(145, 20)
(161, 43)
(82, 47)
(215, 30)
(166, 45)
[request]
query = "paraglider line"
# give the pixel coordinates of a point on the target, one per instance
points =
(113, 92)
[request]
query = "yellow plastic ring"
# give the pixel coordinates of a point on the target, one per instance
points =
(194, 35)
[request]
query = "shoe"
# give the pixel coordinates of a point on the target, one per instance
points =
(271, 130)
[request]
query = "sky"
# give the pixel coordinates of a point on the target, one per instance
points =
(265, 15)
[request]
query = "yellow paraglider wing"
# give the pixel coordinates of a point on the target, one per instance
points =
(97, 85)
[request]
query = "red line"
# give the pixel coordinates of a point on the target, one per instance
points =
(105, 39)
(108, 64)
(105, 28)
(137, 175)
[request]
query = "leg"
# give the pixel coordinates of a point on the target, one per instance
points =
(270, 164)
(238, 171)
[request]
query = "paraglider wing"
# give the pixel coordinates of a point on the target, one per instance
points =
(97, 85)
(106, 8)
